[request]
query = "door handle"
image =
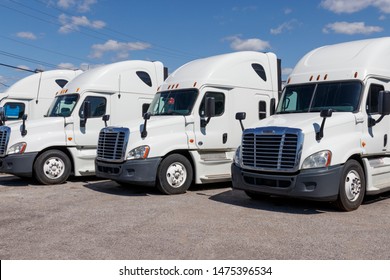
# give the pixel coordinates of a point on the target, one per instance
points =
(224, 138)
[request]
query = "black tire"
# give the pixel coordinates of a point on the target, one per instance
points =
(352, 186)
(52, 167)
(256, 196)
(174, 175)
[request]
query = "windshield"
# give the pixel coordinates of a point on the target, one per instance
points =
(177, 102)
(62, 106)
(338, 96)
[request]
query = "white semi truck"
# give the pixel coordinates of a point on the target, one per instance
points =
(65, 141)
(329, 138)
(33, 95)
(189, 134)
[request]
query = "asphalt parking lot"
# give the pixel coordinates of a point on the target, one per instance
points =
(89, 218)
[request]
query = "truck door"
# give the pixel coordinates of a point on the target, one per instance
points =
(375, 137)
(216, 133)
(86, 135)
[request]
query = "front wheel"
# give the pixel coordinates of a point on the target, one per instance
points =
(174, 174)
(52, 167)
(352, 186)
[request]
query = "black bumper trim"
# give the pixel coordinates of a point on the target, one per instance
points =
(19, 165)
(138, 172)
(320, 184)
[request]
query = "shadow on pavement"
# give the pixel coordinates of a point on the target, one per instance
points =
(274, 204)
(111, 187)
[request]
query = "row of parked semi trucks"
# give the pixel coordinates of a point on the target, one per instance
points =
(325, 137)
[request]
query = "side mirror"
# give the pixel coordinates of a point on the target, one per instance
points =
(327, 113)
(2, 116)
(240, 116)
(23, 128)
(106, 118)
(209, 110)
(144, 132)
(209, 107)
(384, 102)
(86, 113)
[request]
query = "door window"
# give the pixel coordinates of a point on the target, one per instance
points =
(372, 99)
(219, 103)
(98, 106)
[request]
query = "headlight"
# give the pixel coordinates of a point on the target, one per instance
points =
(18, 148)
(237, 156)
(139, 152)
(320, 159)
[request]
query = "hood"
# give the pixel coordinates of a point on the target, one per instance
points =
(41, 133)
(342, 132)
(307, 121)
(163, 133)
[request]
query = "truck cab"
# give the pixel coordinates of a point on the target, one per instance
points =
(33, 95)
(328, 139)
(189, 134)
(64, 142)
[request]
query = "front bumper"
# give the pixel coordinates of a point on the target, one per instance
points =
(19, 165)
(138, 172)
(316, 184)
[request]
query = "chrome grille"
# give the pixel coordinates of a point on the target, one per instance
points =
(4, 137)
(112, 144)
(272, 148)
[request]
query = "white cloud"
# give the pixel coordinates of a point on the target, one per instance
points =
(70, 24)
(352, 6)
(66, 65)
(121, 49)
(287, 11)
(252, 44)
(287, 71)
(351, 28)
(81, 6)
(26, 35)
(23, 67)
(289, 25)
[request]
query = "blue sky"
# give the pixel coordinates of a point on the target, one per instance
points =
(50, 34)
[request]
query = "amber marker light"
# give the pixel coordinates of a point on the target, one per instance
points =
(356, 74)
(311, 78)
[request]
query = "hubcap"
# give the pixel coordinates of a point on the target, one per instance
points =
(53, 168)
(176, 174)
(352, 185)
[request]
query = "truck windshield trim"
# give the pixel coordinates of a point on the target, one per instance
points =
(63, 105)
(305, 98)
(174, 102)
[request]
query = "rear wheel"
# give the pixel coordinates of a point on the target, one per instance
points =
(174, 174)
(52, 167)
(352, 186)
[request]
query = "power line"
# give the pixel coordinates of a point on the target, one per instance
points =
(168, 52)
(19, 68)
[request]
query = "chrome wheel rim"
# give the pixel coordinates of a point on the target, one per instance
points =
(54, 168)
(176, 175)
(352, 185)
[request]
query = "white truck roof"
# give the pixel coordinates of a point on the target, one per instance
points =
(47, 82)
(121, 76)
(351, 60)
(230, 70)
